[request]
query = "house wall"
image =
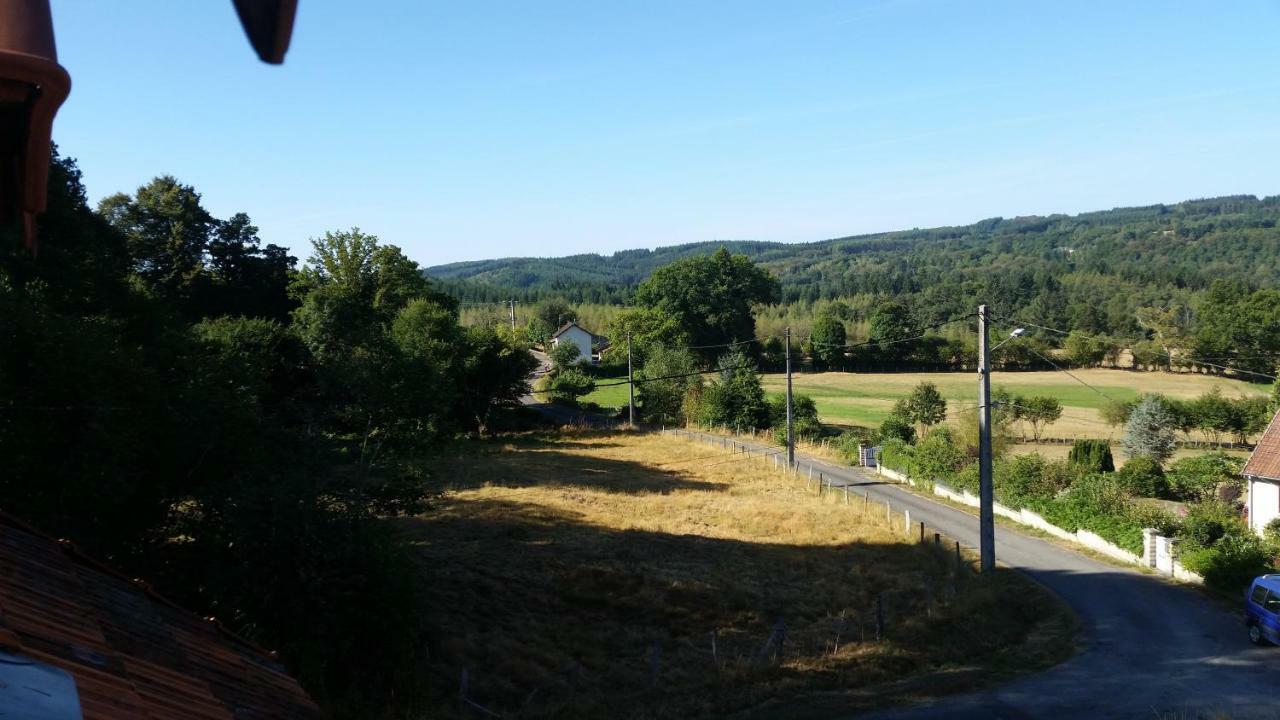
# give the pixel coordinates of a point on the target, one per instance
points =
(579, 337)
(1264, 502)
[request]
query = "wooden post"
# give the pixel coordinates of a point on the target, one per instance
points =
(921, 531)
(879, 616)
(937, 540)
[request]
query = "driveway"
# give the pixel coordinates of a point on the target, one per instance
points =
(1153, 649)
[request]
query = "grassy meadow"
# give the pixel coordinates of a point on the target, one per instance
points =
(867, 398)
(637, 575)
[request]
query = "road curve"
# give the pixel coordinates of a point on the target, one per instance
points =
(1153, 649)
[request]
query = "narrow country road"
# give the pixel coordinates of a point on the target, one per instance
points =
(1152, 649)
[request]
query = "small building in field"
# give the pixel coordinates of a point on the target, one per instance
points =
(576, 335)
(1262, 473)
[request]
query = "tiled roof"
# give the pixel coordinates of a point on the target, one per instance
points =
(566, 327)
(1265, 460)
(133, 654)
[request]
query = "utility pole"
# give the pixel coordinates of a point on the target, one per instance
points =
(791, 441)
(513, 314)
(631, 386)
(986, 515)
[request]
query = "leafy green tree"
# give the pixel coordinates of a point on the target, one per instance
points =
(649, 328)
(493, 374)
(711, 296)
(828, 337)
(564, 356)
(1143, 476)
(1040, 411)
(554, 312)
(663, 382)
(167, 231)
(1084, 350)
(804, 417)
(1198, 478)
(569, 386)
(896, 427)
(892, 321)
(1149, 432)
(925, 406)
(936, 456)
(1117, 412)
(736, 398)
(247, 278)
(538, 331)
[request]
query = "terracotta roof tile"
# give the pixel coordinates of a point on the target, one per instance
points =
(1264, 461)
(134, 655)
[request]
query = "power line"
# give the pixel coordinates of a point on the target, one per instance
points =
(682, 375)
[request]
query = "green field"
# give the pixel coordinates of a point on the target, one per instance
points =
(867, 399)
(609, 397)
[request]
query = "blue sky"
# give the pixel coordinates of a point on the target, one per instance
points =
(470, 130)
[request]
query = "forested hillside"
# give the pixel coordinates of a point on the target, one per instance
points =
(1091, 272)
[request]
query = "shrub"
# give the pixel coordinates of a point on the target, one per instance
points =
(896, 428)
(569, 385)
(1231, 563)
(804, 417)
(1196, 479)
(1272, 531)
(1090, 456)
(897, 455)
(1028, 478)
(1207, 523)
(1143, 476)
(564, 354)
(936, 457)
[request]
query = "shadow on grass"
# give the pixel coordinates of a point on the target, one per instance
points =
(553, 616)
(544, 463)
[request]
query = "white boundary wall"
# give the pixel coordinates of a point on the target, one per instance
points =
(1170, 566)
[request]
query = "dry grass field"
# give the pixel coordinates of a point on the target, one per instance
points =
(642, 576)
(866, 399)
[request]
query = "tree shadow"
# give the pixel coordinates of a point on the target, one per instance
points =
(538, 465)
(553, 615)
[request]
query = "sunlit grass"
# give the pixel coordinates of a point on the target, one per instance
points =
(563, 566)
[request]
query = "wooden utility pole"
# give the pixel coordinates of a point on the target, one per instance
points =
(986, 514)
(513, 313)
(791, 441)
(631, 386)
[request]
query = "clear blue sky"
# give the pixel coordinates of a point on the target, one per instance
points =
(467, 130)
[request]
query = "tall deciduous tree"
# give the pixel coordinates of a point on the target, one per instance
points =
(712, 296)
(828, 339)
(167, 231)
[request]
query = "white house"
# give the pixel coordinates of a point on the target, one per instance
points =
(574, 334)
(1262, 472)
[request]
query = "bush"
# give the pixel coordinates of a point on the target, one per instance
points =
(804, 417)
(1231, 563)
(897, 455)
(1029, 478)
(1196, 479)
(570, 385)
(936, 457)
(1143, 477)
(564, 355)
(1207, 523)
(1272, 531)
(896, 428)
(1090, 456)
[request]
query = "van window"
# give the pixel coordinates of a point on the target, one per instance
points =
(1272, 603)
(1259, 594)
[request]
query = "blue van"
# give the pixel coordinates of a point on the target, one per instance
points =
(1262, 610)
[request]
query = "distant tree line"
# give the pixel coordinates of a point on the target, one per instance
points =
(1185, 286)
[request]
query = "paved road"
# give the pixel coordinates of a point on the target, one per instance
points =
(1153, 649)
(558, 414)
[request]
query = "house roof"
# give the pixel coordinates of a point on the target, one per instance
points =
(133, 654)
(1264, 461)
(564, 328)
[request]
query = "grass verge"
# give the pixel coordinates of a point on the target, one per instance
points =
(628, 575)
